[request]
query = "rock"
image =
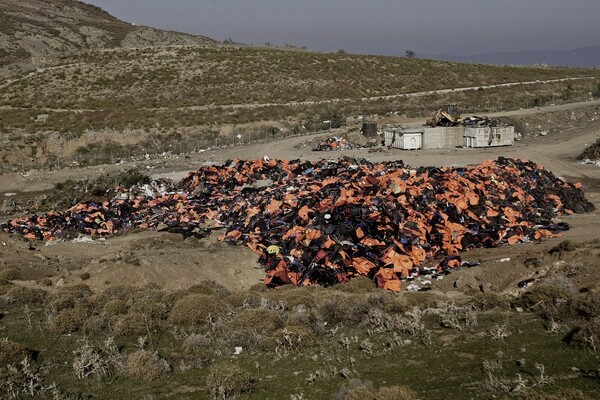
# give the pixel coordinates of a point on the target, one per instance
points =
(532, 263)
(60, 282)
(519, 309)
(485, 287)
(161, 227)
(466, 282)
(262, 183)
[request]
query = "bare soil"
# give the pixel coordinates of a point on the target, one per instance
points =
(167, 260)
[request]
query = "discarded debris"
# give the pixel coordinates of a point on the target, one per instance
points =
(483, 122)
(334, 143)
(325, 222)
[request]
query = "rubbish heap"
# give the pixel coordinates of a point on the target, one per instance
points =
(325, 222)
(483, 122)
(334, 143)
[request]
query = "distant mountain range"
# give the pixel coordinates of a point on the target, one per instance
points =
(582, 57)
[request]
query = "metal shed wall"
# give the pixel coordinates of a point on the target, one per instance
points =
(443, 137)
(401, 139)
(489, 137)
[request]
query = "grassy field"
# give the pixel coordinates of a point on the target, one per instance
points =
(344, 343)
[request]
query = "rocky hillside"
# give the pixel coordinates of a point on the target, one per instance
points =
(33, 31)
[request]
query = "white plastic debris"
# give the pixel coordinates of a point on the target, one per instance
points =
(238, 350)
(413, 288)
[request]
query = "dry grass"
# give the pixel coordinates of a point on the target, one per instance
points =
(133, 324)
(147, 366)
(12, 353)
(25, 295)
(228, 381)
(69, 320)
(195, 309)
(115, 307)
(10, 274)
(264, 321)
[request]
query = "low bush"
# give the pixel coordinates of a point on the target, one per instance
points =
(133, 324)
(343, 309)
(147, 366)
(550, 302)
(69, 320)
(585, 335)
(12, 353)
(194, 309)
(261, 320)
(356, 390)
(228, 381)
(198, 349)
(24, 295)
(95, 325)
(10, 274)
(153, 308)
(244, 299)
(115, 307)
(209, 287)
(396, 393)
(359, 390)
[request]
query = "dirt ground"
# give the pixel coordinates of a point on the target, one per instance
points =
(144, 258)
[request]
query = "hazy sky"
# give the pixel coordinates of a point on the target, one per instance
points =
(459, 27)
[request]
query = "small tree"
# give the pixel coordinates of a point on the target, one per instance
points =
(410, 54)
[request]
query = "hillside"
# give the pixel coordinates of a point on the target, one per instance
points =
(587, 57)
(32, 32)
(86, 86)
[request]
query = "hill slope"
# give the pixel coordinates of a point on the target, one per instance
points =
(581, 57)
(32, 32)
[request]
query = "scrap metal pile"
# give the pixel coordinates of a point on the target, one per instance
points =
(483, 122)
(333, 143)
(325, 222)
